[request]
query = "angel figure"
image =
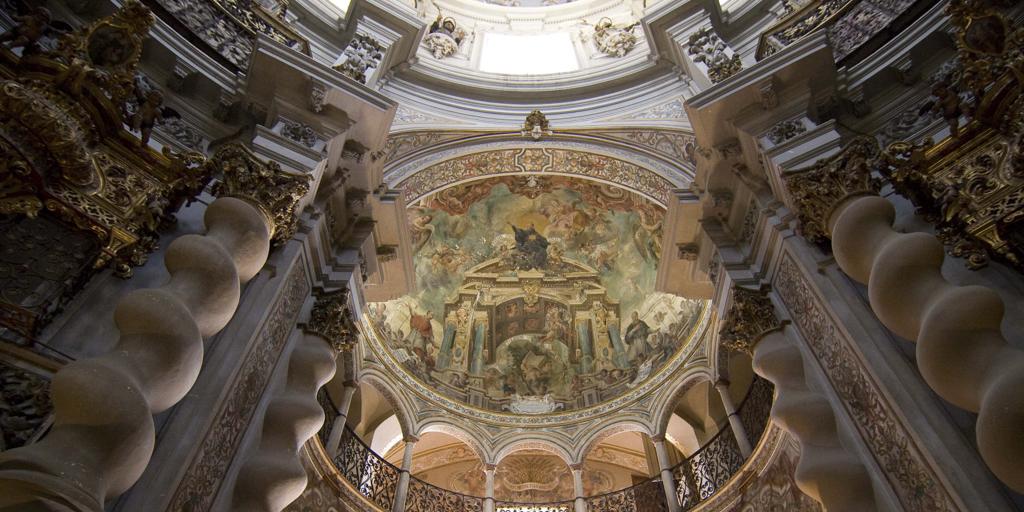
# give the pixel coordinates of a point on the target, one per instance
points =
(32, 23)
(149, 113)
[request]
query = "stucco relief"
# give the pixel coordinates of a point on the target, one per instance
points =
(536, 160)
(914, 481)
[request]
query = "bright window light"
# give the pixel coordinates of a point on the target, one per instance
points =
(342, 4)
(528, 55)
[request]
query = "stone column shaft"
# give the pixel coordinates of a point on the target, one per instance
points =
(667, 480)
(338, 428)
(403, 479)
(742, 440)
(489, 487)
(577, 486)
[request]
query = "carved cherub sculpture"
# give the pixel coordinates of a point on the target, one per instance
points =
(33, 23)
(150, 112)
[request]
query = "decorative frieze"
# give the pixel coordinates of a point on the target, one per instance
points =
(818, 190)
(786, 130)
(219, 444)
(25, 406)
(707, 48)
(299, 132)
(361, 58)
(916, 485)
(263, 184)
(750, 318)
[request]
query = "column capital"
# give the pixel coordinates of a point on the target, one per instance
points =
(265, 185)
(576, 467)
(818, 190)
(722, 382)
(750, 318)
(490, 467)
(410, 439)
(660, 438)
(331, 319)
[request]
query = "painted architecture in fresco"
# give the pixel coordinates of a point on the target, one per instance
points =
(535, 294)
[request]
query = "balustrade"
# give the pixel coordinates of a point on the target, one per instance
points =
(371, 475)
(697, 478)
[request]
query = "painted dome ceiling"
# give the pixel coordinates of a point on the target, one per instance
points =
(535, 294)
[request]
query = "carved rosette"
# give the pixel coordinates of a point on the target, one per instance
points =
(750, 318)
(264, 184)
(332, 320)
(818, 190)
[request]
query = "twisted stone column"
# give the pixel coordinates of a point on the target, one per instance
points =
(826, 471)
(103, 433)
(273, 476)
(961, 351)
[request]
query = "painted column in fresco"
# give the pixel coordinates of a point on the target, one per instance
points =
(586, 345)
(444, 356)
(620, 350)
(479, 338)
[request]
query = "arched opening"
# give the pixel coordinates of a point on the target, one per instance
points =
(443, 460)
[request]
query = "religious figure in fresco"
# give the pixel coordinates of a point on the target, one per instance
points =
(636, 337)
(421, 332)
(532, 248)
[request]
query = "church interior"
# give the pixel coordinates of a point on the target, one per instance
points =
(511, 255)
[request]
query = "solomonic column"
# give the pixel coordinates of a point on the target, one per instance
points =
(961, 350)
(826, 471)
(273, 476)
(103, 434)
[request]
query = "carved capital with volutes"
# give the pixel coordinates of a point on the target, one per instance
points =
(750, 318)
(332, 320)
(265, 185)
(818, 190)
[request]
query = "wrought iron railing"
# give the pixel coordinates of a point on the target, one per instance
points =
(330, 413)
(513, 506)
(700, 476)
(372, 476)
(709, 469)
(424, 497)
(646, 496)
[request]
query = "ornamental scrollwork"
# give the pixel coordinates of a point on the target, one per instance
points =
(706, 47)
(360, 58)
(818, 190)
(265, 185)
(750, 318)
(332, 320)
(613, 40)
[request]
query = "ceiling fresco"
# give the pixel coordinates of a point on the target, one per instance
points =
(535, 294)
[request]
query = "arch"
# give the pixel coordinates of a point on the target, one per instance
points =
(460, 433)
(530, 442)
(384, 386)
(606, 430)
(664, 410)
(428, 171)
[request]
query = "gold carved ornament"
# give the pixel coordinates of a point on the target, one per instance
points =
(818, 190)
(64, 146)
(332, 320)
(971, 184)
(265, 185)
(751, 317)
